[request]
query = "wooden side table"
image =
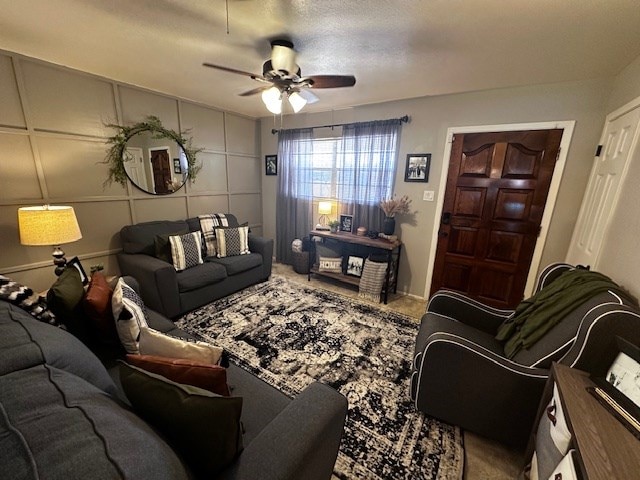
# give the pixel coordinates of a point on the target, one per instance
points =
(391, 251)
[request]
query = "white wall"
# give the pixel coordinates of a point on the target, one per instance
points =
(584, 102)
(52, 143)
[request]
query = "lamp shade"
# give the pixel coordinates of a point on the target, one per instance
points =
(324, 208)
(272, 99)
(297, 101)
(48, 225)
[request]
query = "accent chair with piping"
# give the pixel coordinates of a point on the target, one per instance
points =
(461, 374)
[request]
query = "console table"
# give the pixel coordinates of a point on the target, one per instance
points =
(363, 247)
(605, 448)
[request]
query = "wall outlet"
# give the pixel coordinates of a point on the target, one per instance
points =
(428, 195)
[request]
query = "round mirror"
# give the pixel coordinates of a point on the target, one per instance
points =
(154, 163)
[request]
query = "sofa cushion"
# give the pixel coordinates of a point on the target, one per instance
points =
(237, 264)
(197, 374)
(194, 222)
(140, 238)
(26, 342)
(130, 315)
(204, 427)
(101, 439)
(157, 343)
(186, 250)
(200, 276)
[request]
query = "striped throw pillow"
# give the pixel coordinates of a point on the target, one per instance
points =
(186, 250)
(232, 241)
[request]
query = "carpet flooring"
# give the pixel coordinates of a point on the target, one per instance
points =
(290, 335)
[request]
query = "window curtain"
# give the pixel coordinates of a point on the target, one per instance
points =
(367, 161)
(293, 205)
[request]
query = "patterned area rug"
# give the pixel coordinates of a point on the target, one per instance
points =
(289, 335)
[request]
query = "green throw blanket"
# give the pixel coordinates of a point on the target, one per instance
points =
(534, 317)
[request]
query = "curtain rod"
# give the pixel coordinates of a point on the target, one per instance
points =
(404, 119)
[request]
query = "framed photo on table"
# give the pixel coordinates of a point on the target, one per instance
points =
(75, 262)
(355, 265)
(619, 389)
(417, 169)
(346, 223)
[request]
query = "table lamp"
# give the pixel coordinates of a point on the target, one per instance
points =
(49, 225)
(324, 209)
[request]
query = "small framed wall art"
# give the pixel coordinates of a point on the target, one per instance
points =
(346, 223)
(271, 164)
(176, 166)
(417, 169)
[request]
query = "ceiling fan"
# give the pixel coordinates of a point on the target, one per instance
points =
(282, 78)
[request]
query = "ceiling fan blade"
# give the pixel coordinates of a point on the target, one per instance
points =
(308, 96)
(231, 70)
(329, 81)
(255, 90)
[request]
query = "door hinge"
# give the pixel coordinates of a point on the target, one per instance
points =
(452, 139)
(558, 154)
(598, 150)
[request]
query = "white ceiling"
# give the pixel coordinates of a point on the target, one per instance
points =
(396, 49)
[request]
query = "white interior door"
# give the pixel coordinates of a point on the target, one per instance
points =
(618, 141)
(134, 166)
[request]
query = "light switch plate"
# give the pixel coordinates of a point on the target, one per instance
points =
(428, 195)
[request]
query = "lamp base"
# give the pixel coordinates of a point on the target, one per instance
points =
(59, 260)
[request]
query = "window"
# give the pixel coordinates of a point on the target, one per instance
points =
(340, 171)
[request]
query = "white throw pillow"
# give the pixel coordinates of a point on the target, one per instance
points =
(566, 469)
(153, 342)
(186, 250)
(130, 315)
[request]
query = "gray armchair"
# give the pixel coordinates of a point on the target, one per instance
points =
(462, 376)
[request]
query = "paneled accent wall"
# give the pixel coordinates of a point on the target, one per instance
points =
(52, 142)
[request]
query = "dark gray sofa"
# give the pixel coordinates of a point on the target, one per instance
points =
(175, 293)
(63, 416)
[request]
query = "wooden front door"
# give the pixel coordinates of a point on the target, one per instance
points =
(161, 171)
(495, 196)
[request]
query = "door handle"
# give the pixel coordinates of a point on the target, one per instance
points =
(446, 218)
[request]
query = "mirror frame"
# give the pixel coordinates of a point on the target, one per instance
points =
(118, 143)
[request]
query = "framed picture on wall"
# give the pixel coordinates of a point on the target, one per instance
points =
(346, 223)
(417, 169)
(271, 164)
(176, 166)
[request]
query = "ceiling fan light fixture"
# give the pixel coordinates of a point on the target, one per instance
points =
(272, 99)
(296, 101)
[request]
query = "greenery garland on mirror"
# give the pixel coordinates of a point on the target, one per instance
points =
(118, 142)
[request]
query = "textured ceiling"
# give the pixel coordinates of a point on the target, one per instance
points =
(396, 49)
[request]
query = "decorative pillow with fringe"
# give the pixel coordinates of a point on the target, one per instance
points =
(372, 279)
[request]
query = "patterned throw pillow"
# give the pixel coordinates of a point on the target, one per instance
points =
(186, 250)
(130, 315)
(232, 241)
(208, 224)
(23, 297)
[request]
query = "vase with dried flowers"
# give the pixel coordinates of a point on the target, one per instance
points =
(391, 207)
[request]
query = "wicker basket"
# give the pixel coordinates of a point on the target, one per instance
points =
(301, 262)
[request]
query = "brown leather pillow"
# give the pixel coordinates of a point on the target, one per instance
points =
(206, 376)
(97, 306)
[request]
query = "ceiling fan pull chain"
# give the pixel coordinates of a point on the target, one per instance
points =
(227, 11)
